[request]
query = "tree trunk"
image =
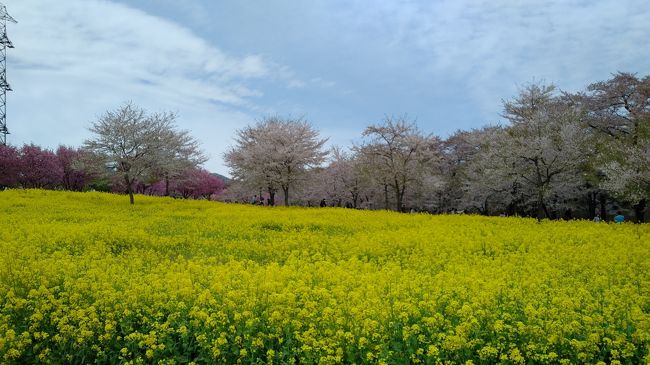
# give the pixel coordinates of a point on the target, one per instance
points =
(639, 211)
(386, 196)
(591, 205)
(603, 207)
(285, 190)
(129, 188)
(271, 196)
(546, 213)
(166, 185)
(540, 205)
(399, 197)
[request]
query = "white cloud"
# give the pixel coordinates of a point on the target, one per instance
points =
(491, 46)
(447, 62)
(296, 84)
(75, 59)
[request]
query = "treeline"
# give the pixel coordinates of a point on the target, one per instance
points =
(560, 155)
(130, 152)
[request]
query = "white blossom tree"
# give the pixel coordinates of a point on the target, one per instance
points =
(544, 147)
(619, 108)
(629, 175)
(399, 156)
(475, 172)
(275, 154)
(342, 182)
(179, 155)
(138, 146)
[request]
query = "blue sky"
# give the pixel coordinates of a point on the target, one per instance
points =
(342, 64)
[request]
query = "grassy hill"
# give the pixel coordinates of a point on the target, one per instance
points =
(85, 277)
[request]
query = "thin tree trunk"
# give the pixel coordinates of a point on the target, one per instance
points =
(129, 188)
(285, 190)
(271, 197)
(639, 211)
(386, 196)
(166, 185)
(546, 213)
(603, 206)
(591, 205)
(399, 197)
(540, 205)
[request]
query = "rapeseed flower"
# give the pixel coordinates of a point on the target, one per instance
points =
(87, 278)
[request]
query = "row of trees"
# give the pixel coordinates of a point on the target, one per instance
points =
(131, 151)
(34, 167)
(559, 154)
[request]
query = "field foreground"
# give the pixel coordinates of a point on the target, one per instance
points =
(86, 278)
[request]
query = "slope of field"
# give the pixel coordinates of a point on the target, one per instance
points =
(84, 277)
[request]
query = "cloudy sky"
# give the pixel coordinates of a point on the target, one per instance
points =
(342, 64)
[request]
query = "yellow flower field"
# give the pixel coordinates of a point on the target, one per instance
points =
(87, 278)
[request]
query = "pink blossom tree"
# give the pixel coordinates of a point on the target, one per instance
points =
(198, 184)
(78, 170)
(192, 183)
(9, 166)
(39, 168)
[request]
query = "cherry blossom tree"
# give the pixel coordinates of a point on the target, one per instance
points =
(139, 146)
(9, 166)
(79, 168)
(619, 108)
(178, 157)
(199, 184)
(39, 168)
(471, 185)
(399, 155)
(544, 147)
(275, 154)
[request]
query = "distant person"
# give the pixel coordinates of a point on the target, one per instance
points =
(597, 218)
(254, 200)
(323, 204)
(268, 202)
(619, 217)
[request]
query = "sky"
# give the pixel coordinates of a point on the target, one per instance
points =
(341, 64)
